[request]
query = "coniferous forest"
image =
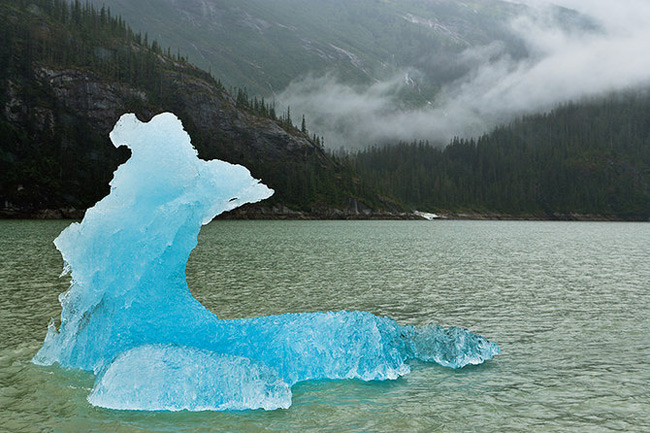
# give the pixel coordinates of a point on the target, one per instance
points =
(68, 70)
(587, 157)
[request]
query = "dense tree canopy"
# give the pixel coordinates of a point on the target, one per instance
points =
(591, 158)
(51, 156)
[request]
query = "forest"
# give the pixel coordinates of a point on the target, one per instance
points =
(591, 157)
(54, 155)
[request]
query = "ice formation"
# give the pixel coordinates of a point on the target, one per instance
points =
(129, 317)
(172, 377)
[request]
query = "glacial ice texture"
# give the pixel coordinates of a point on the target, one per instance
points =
(129, 317)
(169, 377)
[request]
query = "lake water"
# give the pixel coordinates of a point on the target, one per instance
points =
(569, 304)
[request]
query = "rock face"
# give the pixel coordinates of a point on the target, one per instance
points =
(68, 72)
(203, 107)
(89, 96)
(213, 112)
(74, 112)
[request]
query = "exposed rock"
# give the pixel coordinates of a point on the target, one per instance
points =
(209, 114)
(89, 95)
(206, 109)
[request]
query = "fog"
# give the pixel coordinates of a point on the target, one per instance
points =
(563, 64)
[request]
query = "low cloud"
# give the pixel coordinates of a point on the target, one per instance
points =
(564, 64)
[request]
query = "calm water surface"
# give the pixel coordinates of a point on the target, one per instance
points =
(569, 304)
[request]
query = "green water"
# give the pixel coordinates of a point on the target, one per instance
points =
(569, 304)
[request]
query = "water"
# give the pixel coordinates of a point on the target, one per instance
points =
(569, 304)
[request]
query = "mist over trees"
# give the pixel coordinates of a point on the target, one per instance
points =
(54, 156)
(587, 158)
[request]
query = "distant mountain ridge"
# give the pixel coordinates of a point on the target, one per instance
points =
(263, 45)
(363, 72)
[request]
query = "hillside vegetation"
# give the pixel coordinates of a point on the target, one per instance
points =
(68, 71)
(587, 158)
(263, 45)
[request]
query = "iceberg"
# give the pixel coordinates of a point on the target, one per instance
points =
(129, 317)
(173, 378)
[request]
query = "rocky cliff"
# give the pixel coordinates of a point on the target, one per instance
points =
(67, 75)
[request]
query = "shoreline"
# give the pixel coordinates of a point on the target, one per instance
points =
(285, 213)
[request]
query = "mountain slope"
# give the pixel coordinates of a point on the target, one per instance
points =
(263, 46)
(367, 71)
(68, 73)
(588, 158)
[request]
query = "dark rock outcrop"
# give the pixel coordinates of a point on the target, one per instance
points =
(219, 129)
(68, 72)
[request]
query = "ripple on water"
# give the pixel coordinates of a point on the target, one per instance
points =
(567, 302)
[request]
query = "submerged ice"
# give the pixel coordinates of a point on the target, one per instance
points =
(172, 377)
(129, 317)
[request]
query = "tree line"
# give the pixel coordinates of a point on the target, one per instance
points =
(591, 157)
(69, 163)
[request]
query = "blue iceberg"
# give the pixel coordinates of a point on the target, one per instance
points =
(129, 317)
(171, 377)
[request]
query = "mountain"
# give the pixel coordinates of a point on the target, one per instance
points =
(365, 71)
(67, 72)
(264, 45)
